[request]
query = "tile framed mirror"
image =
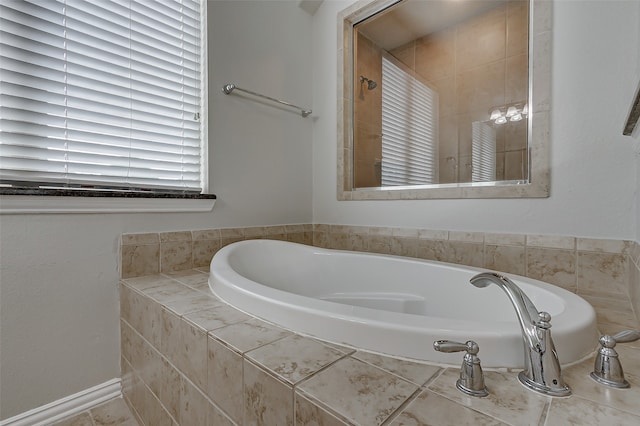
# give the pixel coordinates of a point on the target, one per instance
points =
(444, 99)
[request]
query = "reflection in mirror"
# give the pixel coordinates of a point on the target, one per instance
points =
(441, 100)
(438, 96)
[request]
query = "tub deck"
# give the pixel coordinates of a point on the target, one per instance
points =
(189, 358)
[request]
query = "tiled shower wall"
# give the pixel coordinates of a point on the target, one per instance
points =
(604, 272)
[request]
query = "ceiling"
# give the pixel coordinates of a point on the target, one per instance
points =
(412, 19)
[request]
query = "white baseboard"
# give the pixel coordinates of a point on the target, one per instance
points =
(68, 406)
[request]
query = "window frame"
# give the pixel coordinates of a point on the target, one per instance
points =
(34, 198)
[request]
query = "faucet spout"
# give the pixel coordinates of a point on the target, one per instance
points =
(542, 368)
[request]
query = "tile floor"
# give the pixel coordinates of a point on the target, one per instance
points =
(111, 413)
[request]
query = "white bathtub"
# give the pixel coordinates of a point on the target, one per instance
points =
(392, 305)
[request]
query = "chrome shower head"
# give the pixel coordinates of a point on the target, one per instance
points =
(370, 83)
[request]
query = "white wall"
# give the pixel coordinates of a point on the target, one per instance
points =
(637, 136)
(59, 331)
(595, 47)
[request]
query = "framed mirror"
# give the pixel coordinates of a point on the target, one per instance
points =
(444, 99)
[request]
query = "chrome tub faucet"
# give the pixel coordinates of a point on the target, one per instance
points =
(542, 371)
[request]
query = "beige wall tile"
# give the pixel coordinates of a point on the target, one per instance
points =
(602, 245)
(166, 387)
(194, 407)
(429, 408)
(232, 233)
(463, 253)
(197, 302)
(113, 412)
(249, 334)
(517, 28)
(508, 401)
(515, 165)
(404, 246)
(140, 239)
(430, 234)
(151, 411)
(553, 266)
(143, 314)
(603, 273)
(139, 260)
(634, 288)
(435, 55)
(147, 283)
(358, 391)
(481, 87)
(635, 252)
(515, 135)
(305, 237)
(203, 251)
(185, 345)
(224, 375)
(406, 54)
(190, 277)
(508, 259)
(614, 312)
(447, 103)
(583, 386)
(254, 233)
(205, 234)
(175, 236)
(469, 237)
(551, 241)
(175, 256)
(217, 317)
(379, 244)
(481, 40)
(582, 411)
(267, 401)
(170, 291)
(414, 372)
(504, 239)
(309, 414)
(294, 358)
(433, 249)
(517, 79)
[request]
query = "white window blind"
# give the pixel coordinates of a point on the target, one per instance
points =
(483, 152)
(102, 93)
(409, 128)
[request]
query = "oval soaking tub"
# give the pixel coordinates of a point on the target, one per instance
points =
(390, 304)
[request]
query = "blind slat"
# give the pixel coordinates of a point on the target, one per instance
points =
(409, 128)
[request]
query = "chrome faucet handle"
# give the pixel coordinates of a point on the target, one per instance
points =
(471, 379)
(608, 369)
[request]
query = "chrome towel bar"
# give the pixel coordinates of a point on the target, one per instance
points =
(229, 88)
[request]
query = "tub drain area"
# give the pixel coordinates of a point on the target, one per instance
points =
(405, 303)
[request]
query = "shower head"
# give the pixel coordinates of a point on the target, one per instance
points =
(370, 83)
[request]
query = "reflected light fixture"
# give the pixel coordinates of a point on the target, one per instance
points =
(510, 112)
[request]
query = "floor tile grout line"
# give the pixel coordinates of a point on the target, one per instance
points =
(398, 411)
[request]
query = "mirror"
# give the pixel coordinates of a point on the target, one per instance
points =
(440, 99)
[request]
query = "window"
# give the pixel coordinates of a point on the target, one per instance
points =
(101, 94)
(483, 152)
(409, 128)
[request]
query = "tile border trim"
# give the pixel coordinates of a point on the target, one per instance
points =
(68, 406)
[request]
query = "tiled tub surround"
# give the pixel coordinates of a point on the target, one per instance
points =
(190, 359)
(604, 272)
(152, 253)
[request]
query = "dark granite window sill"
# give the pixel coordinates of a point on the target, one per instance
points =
(50, 192)
(26, 200)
